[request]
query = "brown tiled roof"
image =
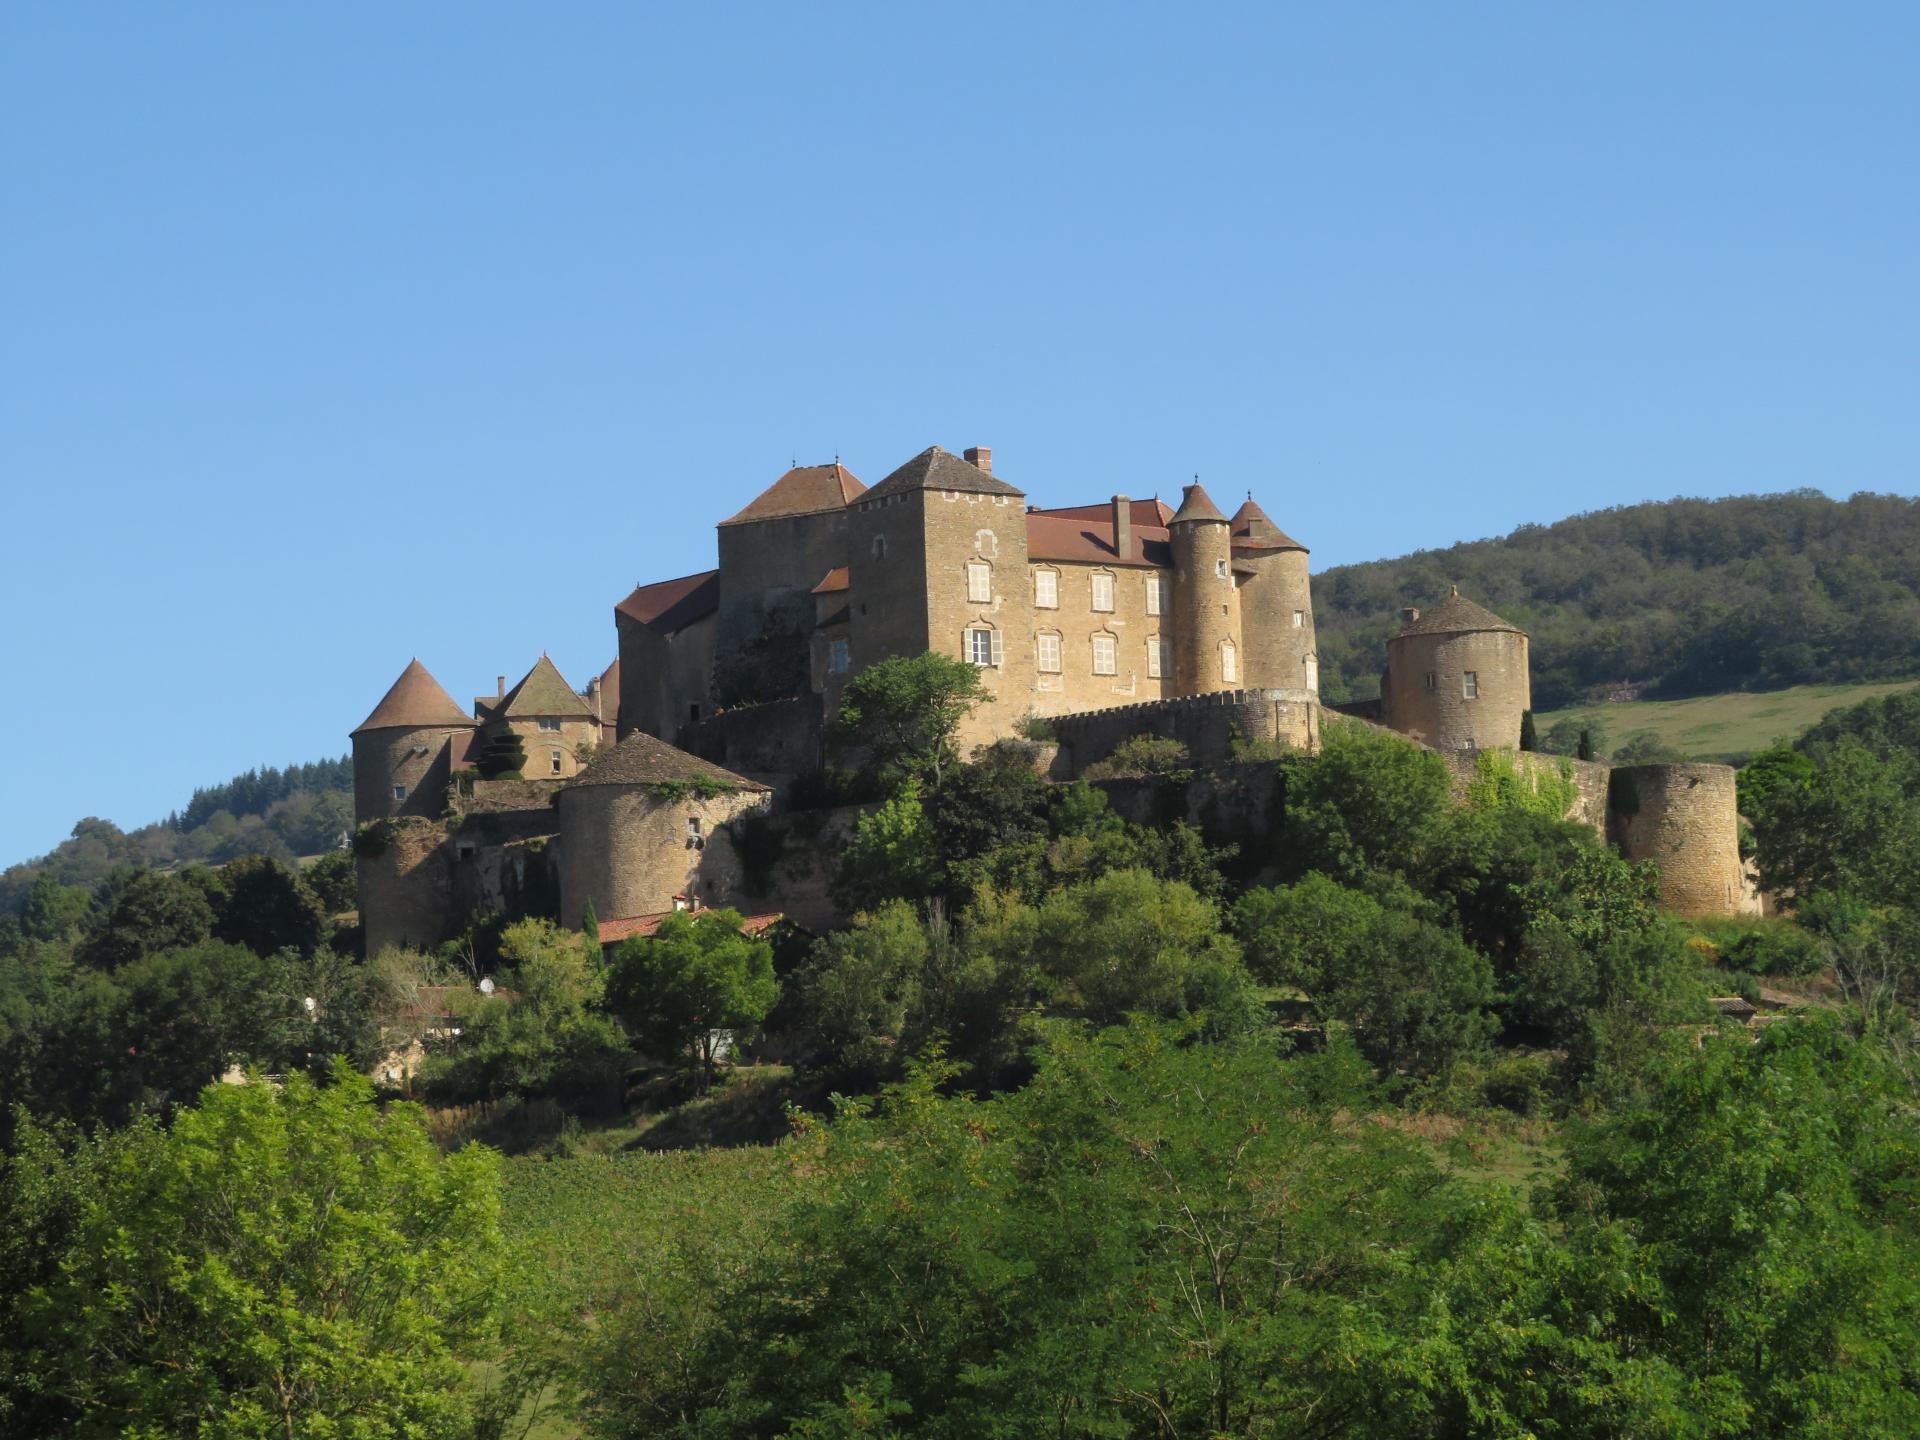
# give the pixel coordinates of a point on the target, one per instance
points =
(1155, 512)
(936, 469)
(1454, 614)
(1196, 504)
(836, 580)
(612, 932)
(1271, 537)
(1090, 542)
(643, 759)
(543, 690)
(803, 490)
(415, 702)
(670, 605)
(610, 690)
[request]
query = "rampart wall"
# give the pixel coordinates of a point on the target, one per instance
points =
(406, 891)
(1208, 725)
(781, 738)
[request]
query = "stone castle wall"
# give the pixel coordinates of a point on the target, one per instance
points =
(631, 850)
(768, 569)
(1443, 716)
(1074, 687)
(406, 891)
(1275, 651)
(1208, 725)
(1684, 818)
(782, 738)
(416, 759)
(1206, 610)
(665, 680)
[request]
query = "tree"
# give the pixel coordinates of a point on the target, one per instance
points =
(1529, 737)
(268, 907)
(984, 806)
(892, 854)
(1367, 801)
(860, 986)
(1300, 934)
(1416, 995)
(279, 1263)
(696, 985)
(1589, 743)
(905, 711)
(153, 911)
(503, 757)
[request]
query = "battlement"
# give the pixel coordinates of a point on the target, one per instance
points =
(1207, 724)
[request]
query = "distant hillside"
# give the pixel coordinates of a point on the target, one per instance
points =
(300, 810)
(1681, 597)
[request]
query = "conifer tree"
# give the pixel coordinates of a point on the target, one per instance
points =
(1528, 739)
(1585, 750)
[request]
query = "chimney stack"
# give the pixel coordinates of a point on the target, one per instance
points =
(980, 457)
(1409, 615)
(1122, 527)
(499, 687)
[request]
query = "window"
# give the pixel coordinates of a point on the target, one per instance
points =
(1153, 656)
(555, 755)
(465, 852)
(1102, 591)
(1433, 681)
(979, 582)
(1470, 685)
(399, 792)
(982, 647)
(1313, 673)
(837, 657)
(879, 547)
(1220, 568)
(1154, 583)
(693, 827)
(1046, 589)
(1047, 652)
(1104, 657)
(1229, 662)
(693, 711)
(1299, 619)
(547, 722)
(1166, 656)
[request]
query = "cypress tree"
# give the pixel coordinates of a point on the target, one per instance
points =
(1585, 751)
(1528, 739)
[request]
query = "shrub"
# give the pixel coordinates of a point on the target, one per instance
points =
(1520, 1083)
(1764, 946)
(1141, 757)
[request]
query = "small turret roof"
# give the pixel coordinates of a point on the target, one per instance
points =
(415, 702)
(1196, 505)
(1253, 530)
(1455, 614)
(643, 759)
(543, 691)
(803, 490)
(937, 469)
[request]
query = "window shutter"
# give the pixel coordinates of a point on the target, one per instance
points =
(999, 650)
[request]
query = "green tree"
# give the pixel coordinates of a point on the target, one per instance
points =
(153, 911)
(1588, 746)
(860, 985)
(1300, 934)
(1529, 736)
(504, 757)
(697, 980)
(905, 711)
(268, 907)
(334, 881)
(1367, 801)
(278, 1263)
(1416, 996)
(892, 854)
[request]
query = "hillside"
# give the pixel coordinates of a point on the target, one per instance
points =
(1680, 597)
(1729, 727)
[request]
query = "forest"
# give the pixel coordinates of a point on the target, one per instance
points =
(1081, 1128)
(1678, 597)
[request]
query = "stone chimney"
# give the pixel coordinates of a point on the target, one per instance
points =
(980, 457)
(1409, 615)
(1122, 527)
(499, 687)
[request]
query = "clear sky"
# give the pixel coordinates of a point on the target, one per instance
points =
(331, 335)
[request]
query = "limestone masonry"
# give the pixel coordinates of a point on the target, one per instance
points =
(1108, 620)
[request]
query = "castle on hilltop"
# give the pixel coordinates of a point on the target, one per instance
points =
(1105, 620)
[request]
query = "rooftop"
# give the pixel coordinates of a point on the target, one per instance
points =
(1454, 615)
(937, 469)
(803, 490)
(643, 759)
(612, 932)
(671, 605)
(415, 702)
(1090, 542)
(543, 690)
(1196, 504)
(1253, 530)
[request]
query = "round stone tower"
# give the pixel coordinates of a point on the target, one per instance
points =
(401, 756)
(636, 831)
(1684, 818)
(1457, 678)
(1206, 610)
(1276, 605)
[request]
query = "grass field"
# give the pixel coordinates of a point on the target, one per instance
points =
(1724, 727)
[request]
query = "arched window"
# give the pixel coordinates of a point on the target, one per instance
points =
(879, 547)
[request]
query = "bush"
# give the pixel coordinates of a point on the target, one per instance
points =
(1764, 946)
(1520, 1083)
(1142, 757)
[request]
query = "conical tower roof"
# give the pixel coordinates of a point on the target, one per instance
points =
(416, 702)
(1196, 505)
(1454, 615)
(544, 691)
(643, 759)
(1254, 530)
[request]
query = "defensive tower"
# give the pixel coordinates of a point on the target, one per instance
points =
(1276, 604)
(1206, 619)
(401, 759)
(1457, 677)
(1684, 818)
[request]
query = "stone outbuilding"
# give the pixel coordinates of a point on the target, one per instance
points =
(646, 823)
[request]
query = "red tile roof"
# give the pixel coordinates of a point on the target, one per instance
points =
(1253, 530)
(1090, 542)
(612, 932)
(1155, 512)
(836, 580)
(670, 605)
(1196, 504)
(803, 490)
(415, 702)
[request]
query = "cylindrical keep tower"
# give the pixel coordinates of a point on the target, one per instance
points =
(1206, 610)
(1276, 605)
(400, 762)
(1684, 818)
(1457, 678)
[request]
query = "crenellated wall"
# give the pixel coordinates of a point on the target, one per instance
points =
(1208, 725)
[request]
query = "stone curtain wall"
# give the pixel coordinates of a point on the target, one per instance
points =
(780, 739)
(1208, 725)
(1684, 819)
(1589, 776)
(406, 891)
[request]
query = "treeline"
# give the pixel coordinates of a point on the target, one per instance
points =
(1682, 597)
(301, 810)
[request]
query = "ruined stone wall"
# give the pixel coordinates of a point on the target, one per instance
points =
(1276, 650)
(768, 742)
(631, 850)
(663, 677)
(1443, 716)
(406, 891)
(416, 759)
(1074, 686)
(1684, 819)
(502, 858)
(1206, 609)
(1208, 725)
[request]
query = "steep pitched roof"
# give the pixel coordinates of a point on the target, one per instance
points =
(1454, 614)
(803, 490)
(415, 702)
(1090, 542)
(1253, 530)
(837, 580)
(1155, 512)
(1196, 504)
(543, 690)
(936, 469)
(671, 605)
(643, 759)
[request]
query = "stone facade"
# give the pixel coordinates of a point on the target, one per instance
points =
(415, 762)
(665, 678)
(1214, 727)
(632, 850)
(406, 890)
(1459, 690)
(1206, 606)
(1684, 819)
(554, 745)
(1276, 620)
(1068, 674)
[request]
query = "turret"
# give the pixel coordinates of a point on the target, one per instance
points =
(1457, 677)
(401, 759)
(1206, 612)
(1276, 604)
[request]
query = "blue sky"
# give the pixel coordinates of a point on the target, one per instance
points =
(333, 335)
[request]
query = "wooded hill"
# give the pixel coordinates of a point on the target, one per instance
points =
(1680, 597)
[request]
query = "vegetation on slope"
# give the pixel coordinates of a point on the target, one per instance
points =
(1728, 727)
(1683, 597)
